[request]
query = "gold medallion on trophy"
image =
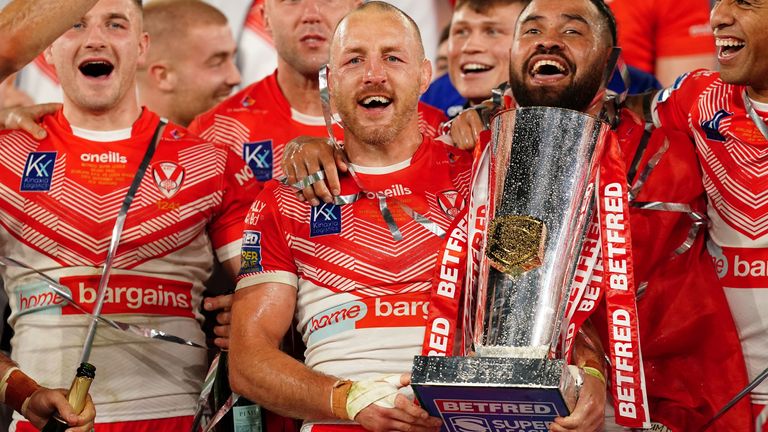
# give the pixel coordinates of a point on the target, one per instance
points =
(516, 243)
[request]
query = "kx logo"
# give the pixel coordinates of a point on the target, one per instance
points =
(325, 219)
(326, 212)
(258, 156)
(38, 172)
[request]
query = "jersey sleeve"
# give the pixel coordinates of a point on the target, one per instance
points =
(672, 106)
(266, 255)
(238, 188)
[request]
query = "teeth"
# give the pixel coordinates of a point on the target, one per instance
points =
(372, 99)
(472, 67)
(728, 43)
(541, 63)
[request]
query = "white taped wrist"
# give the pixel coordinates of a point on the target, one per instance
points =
(381, 391)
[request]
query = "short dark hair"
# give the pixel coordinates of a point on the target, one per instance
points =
(483, 6)
(608, 17)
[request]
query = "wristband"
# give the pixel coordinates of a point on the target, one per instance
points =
(594, 372)
(339, 394)
(4, 382)
(18, 387)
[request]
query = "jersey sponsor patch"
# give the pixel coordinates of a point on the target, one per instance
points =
(168, 177)
(38, 172)
(248, 101)
(325, 219)
(259, 157)
(401, 310)
(740, 267)
(711, 127)
(38, 297)
(250, 255)
(131, 294)
(451, 202)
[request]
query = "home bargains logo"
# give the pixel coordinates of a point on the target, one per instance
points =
(400, 310)
(131, 294)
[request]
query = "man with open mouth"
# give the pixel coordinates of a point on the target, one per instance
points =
(725, 113)
(358, 286)
(185, 200)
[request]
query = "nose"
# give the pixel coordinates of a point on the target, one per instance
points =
(472, 44)
(550, 40)
(374, 72)
(233, 74)
(94, 37)
(311, 12)
(721, 15)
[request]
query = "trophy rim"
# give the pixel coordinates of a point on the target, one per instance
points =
(546, 108)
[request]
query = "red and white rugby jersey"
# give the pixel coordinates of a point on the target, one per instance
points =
(58, 202)
(362, 296)
(260, 121)
(734, 159)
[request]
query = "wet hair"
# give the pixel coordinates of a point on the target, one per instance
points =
(608, 18)
(602, 8)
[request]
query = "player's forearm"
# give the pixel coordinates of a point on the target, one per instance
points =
(281, 384)
(27, 27)
(587, 348)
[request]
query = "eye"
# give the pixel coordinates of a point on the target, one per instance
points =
(460, 32)
(78, 26)
(391, 58)
(115, 25)
(533, 31)
(492, 32)
(572, 31)
(355, 60)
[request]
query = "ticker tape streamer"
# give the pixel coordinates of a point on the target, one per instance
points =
(210, 379)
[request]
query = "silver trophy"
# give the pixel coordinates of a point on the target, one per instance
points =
(540, 197)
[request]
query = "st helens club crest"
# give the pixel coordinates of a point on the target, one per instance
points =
(168, 177)
(451, 202)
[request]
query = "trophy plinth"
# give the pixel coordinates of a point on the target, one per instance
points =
(494, 393)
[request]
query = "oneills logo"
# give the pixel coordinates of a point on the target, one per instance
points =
(168, 177)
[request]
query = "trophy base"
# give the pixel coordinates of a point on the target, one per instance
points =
(494, 394)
